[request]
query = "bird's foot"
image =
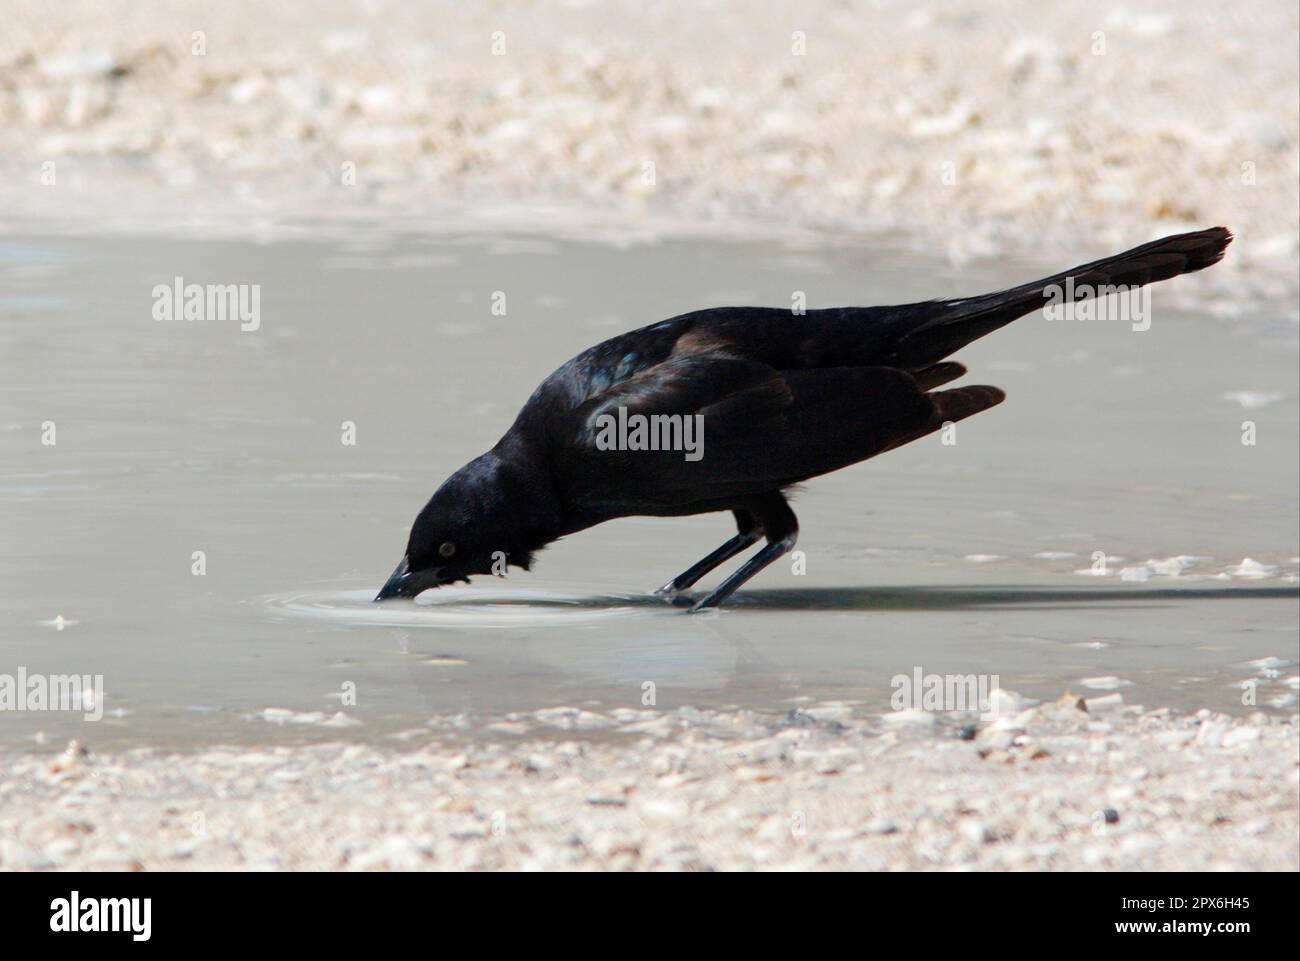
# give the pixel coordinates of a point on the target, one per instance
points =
(767, 555)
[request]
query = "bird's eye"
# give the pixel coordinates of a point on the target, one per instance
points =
(446, 548)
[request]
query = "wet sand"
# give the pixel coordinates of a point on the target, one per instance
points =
(176, 437)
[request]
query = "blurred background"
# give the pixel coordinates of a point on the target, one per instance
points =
(969, 127)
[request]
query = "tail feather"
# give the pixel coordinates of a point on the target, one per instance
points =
(959, 322)
(937, 375)
(961, 402)
(950, 406)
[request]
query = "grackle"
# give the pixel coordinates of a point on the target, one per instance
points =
(780, 397)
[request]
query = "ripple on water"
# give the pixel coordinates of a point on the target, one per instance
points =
(469, 607)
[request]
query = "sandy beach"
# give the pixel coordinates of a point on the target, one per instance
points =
(1062, 786)
(968, 130)
(380, 173)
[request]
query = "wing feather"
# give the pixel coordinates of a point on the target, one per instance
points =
(762, 428)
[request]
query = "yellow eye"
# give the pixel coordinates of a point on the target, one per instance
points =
(446, 548)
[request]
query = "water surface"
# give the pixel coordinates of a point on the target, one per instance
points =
(175, 437)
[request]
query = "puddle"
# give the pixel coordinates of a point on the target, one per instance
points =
(204, 536)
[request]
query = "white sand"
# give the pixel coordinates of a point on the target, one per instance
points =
(968, 128)
(688, 790)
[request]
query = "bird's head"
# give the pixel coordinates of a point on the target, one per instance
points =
(463, 530)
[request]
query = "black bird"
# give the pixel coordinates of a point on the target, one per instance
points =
(783, 397)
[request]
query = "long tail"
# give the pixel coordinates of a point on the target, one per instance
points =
(958, 322)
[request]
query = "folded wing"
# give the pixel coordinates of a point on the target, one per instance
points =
(756, 428)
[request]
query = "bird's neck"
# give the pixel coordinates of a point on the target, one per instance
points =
(517, 493)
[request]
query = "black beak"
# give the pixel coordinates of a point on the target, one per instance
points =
(400, 584)
(407, 583)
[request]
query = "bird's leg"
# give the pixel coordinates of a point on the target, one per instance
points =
(782, 529)
(749, 533)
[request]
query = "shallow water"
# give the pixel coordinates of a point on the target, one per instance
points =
(179, 436)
